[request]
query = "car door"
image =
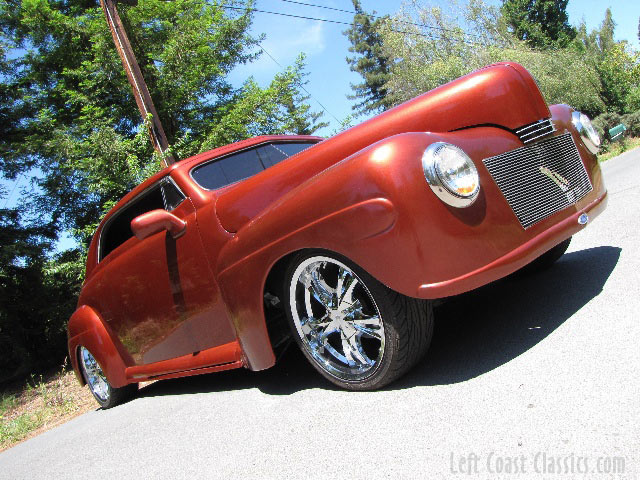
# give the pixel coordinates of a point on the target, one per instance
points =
(158, 294)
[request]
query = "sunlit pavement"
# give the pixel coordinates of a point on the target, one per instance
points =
(533, 376)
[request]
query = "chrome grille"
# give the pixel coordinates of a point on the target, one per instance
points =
(540, 179)
(535, 130)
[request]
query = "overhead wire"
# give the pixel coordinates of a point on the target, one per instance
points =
(301, 86)
(378, 17)
(339, 22)
(15, 185)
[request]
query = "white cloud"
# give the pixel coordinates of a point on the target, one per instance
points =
(299, 36)
(284, 41)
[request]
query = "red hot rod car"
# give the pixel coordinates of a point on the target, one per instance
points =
(347, 240)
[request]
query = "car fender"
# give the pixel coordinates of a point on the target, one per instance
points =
(349, 208)
(87, 329)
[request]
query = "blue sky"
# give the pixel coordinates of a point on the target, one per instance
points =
(326, 47)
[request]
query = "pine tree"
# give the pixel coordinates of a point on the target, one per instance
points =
(370, 62)
(541, 23)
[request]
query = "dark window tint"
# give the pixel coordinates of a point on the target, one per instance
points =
(118, 229)
(241, 165)
(172, 196)
(228, 170)
(276, 152)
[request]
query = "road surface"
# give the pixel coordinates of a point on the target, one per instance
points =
(528, 377)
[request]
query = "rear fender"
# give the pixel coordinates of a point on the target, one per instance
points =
(87, 329)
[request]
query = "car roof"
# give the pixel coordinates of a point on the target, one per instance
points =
(190, 162)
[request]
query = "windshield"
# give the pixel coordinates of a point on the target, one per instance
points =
(240, 165)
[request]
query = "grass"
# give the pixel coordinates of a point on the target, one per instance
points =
(616, 148)
(43, 403)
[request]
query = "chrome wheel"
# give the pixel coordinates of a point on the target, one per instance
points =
(95, 377)
(336, 318)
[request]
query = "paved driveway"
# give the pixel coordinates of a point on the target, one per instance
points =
(531, 376)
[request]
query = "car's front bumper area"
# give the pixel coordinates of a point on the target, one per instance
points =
(435, 250)
(518, 257)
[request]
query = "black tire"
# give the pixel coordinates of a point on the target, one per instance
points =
(105, 394)
(547, 259)
(398, 343)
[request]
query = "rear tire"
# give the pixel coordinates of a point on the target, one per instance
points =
(106, 395)
(359, 334)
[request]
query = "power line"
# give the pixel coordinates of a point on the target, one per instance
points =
(6, 201)
(378, 17)
(301, 86)
(304, 17)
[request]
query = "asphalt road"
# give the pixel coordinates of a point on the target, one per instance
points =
(537, 375)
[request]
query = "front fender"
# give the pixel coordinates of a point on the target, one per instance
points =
(348, 208)
(87, 329)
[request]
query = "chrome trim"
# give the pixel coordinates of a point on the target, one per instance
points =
(541, 179)
(583, 131)
(168, 179)
(429, 160)
(94, 375)
(535, 130)
(332, 321)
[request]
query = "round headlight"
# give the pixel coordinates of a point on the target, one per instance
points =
(587, 131)
(451, 174)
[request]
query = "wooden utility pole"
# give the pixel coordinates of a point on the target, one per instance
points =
(140, 90)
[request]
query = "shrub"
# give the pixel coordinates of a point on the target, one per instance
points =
(606, 121)
(632, 122)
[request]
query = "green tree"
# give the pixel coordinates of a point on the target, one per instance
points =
(617, 65)
(540, 23)
(369, 61)
(75, 107)
(470, 37)
(68, 117)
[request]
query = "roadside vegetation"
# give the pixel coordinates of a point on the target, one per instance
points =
(42, 402)
(616, 148)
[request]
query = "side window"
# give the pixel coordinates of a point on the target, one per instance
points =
(241, 165)
(172, 196)
(276, 152)
(118, 230)
(227, 170)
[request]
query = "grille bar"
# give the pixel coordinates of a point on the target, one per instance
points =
(535, 130)
(540, 179)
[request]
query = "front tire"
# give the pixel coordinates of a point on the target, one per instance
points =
(547, 259)
(355, 331)
(106, 395)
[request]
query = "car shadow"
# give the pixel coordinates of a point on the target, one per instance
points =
(474, 333)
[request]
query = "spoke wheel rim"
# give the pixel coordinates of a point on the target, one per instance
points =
(337, 319)
(95, 376)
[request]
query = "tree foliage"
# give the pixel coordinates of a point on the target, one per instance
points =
(593, 73)
(539, 23)
(369, 61)
(68, 117)
(444, 45)
(618, 66)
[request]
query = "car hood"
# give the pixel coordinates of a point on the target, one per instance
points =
(503, 95)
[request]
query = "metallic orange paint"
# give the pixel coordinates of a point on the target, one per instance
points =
(160, 307)
(157, 221)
